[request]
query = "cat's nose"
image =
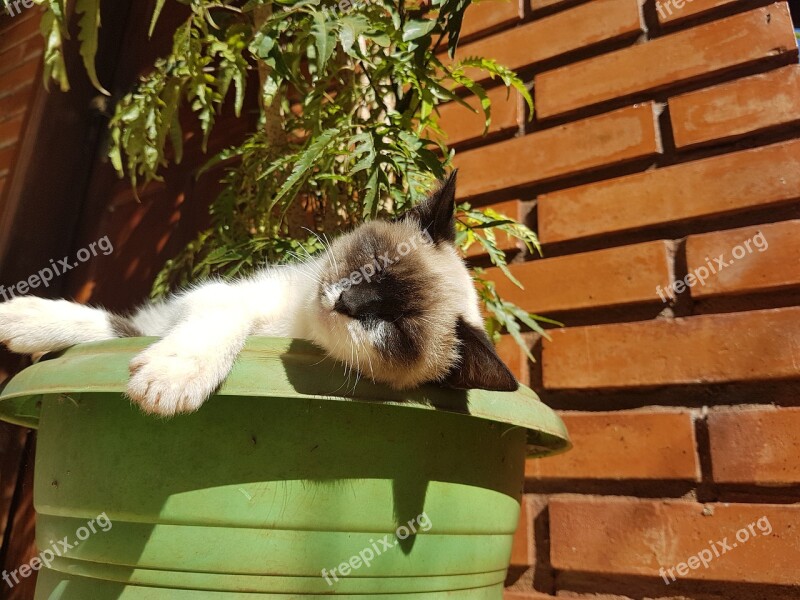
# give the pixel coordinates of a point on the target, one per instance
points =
(344, 305)
(357, 302)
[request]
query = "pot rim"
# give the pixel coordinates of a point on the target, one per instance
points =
(289, 368)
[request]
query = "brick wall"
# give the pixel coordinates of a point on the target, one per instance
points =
(20, 64)
(659, 141)
(665, 136)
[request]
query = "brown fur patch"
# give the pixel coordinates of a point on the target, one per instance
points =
(122, 326)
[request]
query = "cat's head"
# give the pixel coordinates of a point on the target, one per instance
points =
(396, 301)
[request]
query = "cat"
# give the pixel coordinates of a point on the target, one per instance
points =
(391, 299)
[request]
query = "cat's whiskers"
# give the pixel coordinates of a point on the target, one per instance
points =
(309, 257)
(327, 245)
(332, 352)
(351, 365)
(347, 367)
(369, 359)
(358, 364)
(296, 269)
(316, 274)
(327, 249)
(347, 377)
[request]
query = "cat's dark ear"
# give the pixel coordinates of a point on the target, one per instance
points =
(436, 215)
(480, 366)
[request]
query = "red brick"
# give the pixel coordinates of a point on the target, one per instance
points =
(670, 13)
(748, 346)
(713, 186)
(771, 265)
(591, 23)
(489, 14)
(10, 130)
(612, 138)
(540, 4)
(508, 595)
(20, 76)
(21, 547)
(733, 110)
(18, 101)
(515, 358)
(603, 444)
(25, 50)
(626, 536)
(563, 595)
(666, 61)
(12, 452)
(755, 445)
(20, 29)
(6, 159)
(523, 538)
(513, 209)
(461, 124)
(610, 277)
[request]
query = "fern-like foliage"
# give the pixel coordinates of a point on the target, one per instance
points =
(349, 128)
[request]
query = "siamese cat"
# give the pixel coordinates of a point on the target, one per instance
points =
(391, 299)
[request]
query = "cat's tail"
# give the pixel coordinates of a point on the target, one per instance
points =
(30, 325)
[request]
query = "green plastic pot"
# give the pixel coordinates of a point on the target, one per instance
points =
(290, 469)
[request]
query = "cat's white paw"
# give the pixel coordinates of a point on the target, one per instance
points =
(166, 380)
(27, 325)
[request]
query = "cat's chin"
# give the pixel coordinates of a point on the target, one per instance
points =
(334, 335)
(324, 329)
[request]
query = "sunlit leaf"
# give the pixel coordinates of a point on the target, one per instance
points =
(416, 29)
(89, 24)
(156, 13)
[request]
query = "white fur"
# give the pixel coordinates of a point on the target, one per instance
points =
(202, 330)
(205, 329)
(31, 325)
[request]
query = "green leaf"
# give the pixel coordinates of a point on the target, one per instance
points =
(115, 152)
(325, 41)
(380, 38)
(416, 29)
(89, 24)
(305, 162)
(532, 320)
(156, 13)
(350, 28)
(364, 147)
(262, 45)
(509, 77)
(176, 137)
(53, 30)
(371, 195)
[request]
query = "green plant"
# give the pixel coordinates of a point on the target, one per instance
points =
(348, 123)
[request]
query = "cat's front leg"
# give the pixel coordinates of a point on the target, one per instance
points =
(31, 325)
(178, 373)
